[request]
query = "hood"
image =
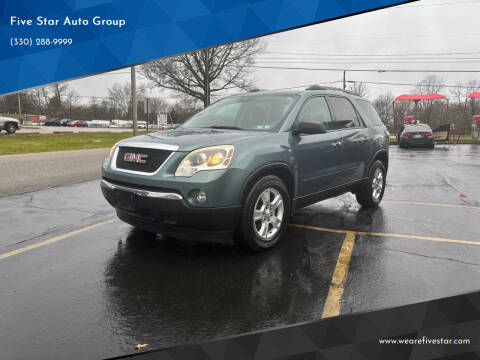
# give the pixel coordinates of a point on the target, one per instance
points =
(194, 138)
(5, 118)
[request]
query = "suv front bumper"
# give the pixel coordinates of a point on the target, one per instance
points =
(168, 213)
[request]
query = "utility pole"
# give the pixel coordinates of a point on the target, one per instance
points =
(344, 80)
(134, 100)
(20, 108)
(148, 113)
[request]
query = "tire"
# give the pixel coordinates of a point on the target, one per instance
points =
(370, 194)
(432, 146)
(11, 128)
(265, 215)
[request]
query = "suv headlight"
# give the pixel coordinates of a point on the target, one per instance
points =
(209, 158)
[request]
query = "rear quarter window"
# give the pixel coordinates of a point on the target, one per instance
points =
(368, 113)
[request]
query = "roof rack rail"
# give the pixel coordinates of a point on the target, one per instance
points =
(254, 90)
(318, 87)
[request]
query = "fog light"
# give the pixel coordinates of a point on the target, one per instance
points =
(201, 197)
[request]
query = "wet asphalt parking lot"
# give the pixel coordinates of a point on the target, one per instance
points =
(76, 283)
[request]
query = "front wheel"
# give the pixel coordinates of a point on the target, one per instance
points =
(11, 128)
(265, 215)
(370, 194)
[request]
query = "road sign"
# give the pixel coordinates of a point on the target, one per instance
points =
(162, 119)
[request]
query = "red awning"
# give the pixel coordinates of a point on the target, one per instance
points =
(474, 95)
(476, 117)
(420, 97)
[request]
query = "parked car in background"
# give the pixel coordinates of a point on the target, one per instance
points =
(416, 135)
(53, 122)
(240, 167)
(10, 125)
(102, 123)
(77, 123)
(81, 123)
(63, 122)
(121, 123)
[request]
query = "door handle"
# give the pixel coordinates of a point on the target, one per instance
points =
(337, 143)
(365, 139)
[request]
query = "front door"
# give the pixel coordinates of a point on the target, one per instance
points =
(318, 156)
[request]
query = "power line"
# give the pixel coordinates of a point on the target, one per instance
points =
(413, 36)
(373, 55)
(378, 59)
(361, 70)
(410, 84)
(347, 61)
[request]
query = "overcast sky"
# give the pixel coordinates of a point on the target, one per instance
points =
(425, 27)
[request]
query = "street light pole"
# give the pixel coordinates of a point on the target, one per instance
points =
(344, 80)
(20, 108)
(134, 100)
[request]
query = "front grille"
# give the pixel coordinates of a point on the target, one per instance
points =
(153, 160)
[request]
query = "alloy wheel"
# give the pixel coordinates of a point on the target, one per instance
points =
(377, 184)
(268, 214)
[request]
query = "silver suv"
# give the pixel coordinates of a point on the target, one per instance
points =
(10, 125)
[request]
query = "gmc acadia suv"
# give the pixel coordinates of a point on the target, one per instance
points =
(240, 167)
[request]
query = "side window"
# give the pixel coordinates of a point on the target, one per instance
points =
(369, 113)
(345, 115)
(316, 111)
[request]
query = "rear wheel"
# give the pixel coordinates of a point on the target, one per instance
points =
(265, 215)
(370, 194)
(11, 128)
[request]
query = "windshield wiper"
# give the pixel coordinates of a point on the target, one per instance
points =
(225, 127)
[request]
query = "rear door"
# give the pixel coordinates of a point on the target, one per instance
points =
(355, 138)
(318, 155)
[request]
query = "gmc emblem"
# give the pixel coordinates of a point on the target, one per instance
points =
(136, 158)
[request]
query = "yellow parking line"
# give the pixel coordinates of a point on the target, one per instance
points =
(432, 204)
(335, 292)
(404, 236)
(54, 239)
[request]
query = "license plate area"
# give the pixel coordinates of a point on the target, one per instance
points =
(126, 200)
(418, 136)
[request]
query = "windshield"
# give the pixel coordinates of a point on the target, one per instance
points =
(262, 112)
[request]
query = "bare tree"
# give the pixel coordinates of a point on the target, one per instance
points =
(383, 105)
(431, 84)
(56, 94)
(461, 91)
(202, 74)
(359, 88)
(120, 99)
(430, 111)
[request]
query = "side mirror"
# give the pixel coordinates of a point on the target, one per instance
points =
(309, 128)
